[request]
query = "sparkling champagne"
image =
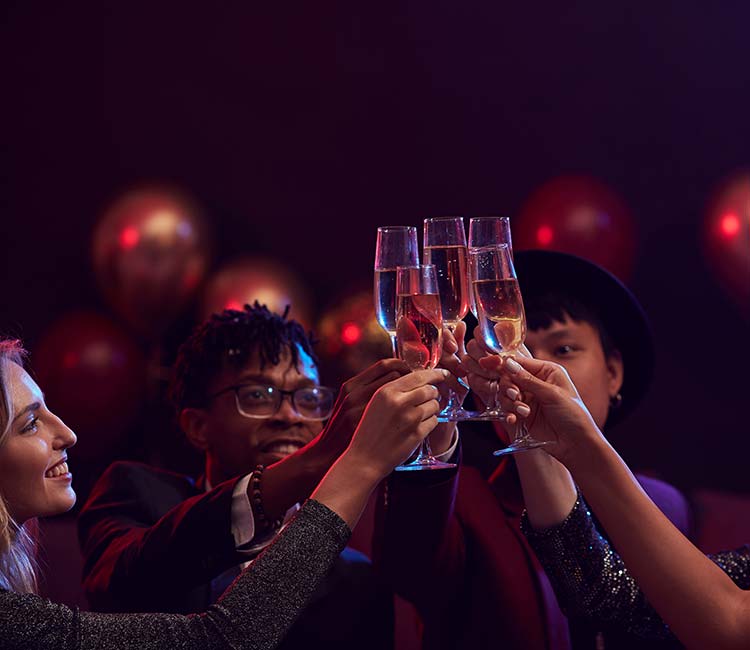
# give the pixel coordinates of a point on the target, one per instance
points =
(419, 330)
(501, 313)
(453, 284)
(385, 299)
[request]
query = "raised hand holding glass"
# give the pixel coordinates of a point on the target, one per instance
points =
(502, 320)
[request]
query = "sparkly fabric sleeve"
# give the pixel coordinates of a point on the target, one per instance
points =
(591, 580)
(253, 614)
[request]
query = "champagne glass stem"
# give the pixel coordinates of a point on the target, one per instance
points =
(394, 347)
(425, 453)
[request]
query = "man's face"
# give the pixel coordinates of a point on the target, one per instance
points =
(235, 444)
(577, 346)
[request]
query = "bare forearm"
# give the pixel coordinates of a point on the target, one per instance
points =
(346, 488)
(696, 599)
(548, 489)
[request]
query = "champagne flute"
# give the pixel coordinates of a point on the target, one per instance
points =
(502, 320)
(445, 247)
(395, 246)
(488, 231)
(419, 337)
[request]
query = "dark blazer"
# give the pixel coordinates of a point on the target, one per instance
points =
(156, 541)
(452, 545)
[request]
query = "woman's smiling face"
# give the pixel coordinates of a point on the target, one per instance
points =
(34, 476)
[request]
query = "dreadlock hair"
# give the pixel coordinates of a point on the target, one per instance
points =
(18, 567)
(227, 340)
(544, 309)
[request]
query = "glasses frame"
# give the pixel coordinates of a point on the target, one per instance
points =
(283, 393)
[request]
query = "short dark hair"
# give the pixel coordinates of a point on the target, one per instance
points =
(542, 310)
(228, 339)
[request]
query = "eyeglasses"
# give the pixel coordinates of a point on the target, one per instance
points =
(262, 401)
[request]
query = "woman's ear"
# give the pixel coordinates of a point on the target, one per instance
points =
(193, 423)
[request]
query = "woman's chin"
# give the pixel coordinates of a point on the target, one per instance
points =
(62, 505)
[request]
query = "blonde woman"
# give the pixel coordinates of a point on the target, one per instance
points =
(256, 611)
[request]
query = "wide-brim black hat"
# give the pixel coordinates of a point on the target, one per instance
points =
(542, 272)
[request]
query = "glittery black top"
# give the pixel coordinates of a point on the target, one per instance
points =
(591, 580)
(254, 613)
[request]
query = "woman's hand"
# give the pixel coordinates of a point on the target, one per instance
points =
(398, 417)
(351, 402)
(542, 393)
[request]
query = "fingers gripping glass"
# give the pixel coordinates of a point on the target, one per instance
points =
(502, 321)
(262, 401)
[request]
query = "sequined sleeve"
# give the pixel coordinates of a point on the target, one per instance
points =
(253, 614)
(590, 578)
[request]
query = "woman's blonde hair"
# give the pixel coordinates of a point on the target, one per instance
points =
(18, 570)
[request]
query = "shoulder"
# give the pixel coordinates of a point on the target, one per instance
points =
(125, 484)
(669, 499)
(124, 473)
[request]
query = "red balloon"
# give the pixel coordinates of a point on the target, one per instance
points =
(257, 278)
(94, 377)
(582, 216)
(726, 238)
(150, 254)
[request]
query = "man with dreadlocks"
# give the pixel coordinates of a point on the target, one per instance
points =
(247, 395)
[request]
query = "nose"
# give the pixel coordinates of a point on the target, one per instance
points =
(286, 411)
(64, 436)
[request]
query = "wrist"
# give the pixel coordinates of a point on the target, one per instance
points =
(442, 438)
(589, 453)
(362, 469)
(316, 460)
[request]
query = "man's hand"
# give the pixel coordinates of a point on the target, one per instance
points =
(350, 405)
(291, 480)
(477, 375)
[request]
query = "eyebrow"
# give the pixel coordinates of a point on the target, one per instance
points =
(34, 406)
(262, 379)
(557, 334)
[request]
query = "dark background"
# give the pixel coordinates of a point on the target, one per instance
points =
(302, 127)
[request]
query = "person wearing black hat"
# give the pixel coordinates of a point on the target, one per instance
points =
(480, 584)
(656, 583)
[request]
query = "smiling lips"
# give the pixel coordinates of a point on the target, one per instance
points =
(59, 469)
(283, 447)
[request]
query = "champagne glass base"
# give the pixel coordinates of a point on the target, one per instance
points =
(485, 416)
(423, 466)
(522, 444)
(457, 415)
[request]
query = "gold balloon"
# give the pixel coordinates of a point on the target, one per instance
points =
(151, 250)
(266, 280)
(350, 337)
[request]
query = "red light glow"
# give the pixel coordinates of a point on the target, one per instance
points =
(70, 360)
(544, 235)
(730, 225)
(129, 237)
(351, 333)
(233, 304)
